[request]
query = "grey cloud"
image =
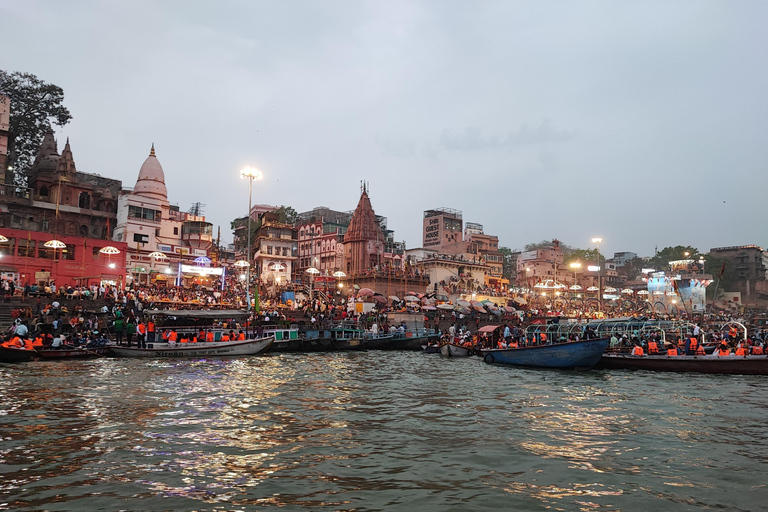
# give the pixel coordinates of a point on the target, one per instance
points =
(473, 139)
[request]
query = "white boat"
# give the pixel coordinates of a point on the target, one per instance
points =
(451, 350)
(199, 349)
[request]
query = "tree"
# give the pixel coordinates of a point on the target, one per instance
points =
(508, 265)
(287, 215)
(662, 258)
(632, 269)
(35, 105)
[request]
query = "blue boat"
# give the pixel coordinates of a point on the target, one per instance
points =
(575, 354)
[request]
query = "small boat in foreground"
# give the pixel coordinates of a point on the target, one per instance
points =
(737, 365)
(16, 355)
(453, 350)
(574, 354)
(199, 349)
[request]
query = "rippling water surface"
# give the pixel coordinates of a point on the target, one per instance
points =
(376, 431)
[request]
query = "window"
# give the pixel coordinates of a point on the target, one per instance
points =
(175, 231)
(43, 190)
(6, 248)
(137, 212)
(27, 248)
(269, 249)
(46, 225)
(143, 239)
(157, 232)
(68, 253)
(83, 230)
(84, 201)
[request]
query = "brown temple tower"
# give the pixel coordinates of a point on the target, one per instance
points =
(364, 240)
(364, 244)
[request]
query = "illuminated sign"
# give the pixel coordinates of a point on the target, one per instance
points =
(593, 268)
(203, 271)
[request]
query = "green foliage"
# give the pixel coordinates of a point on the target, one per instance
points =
(508, 269)
(662, 258)
(287, 215)
(721, 283)
(632, 269)
(35, 105)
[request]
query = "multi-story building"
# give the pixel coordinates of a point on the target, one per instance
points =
(275, 256)
(320, 234)
(5, 137)
(149, 224)
(620, 258)
(486, 249)
(76, 210)
(443, 231)
(747, 268)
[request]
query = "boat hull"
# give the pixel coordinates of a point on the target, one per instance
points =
(400, 342)
(451, 350)
(576, 354)
(73, 353)
(736, 365)
(204, 349)
(16, 355)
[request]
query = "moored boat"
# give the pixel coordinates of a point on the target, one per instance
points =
(16, 355)
(739, 365)
(72, 352)
(200, 349)
(453, 350)
(574, 354)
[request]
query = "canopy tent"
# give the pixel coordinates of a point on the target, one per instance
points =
(488, 328)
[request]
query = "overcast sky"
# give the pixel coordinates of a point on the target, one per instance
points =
(645, 123)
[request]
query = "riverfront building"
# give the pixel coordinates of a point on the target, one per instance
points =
(164, 243)
(61, 204)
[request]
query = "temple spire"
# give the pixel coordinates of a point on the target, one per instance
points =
(152, 152)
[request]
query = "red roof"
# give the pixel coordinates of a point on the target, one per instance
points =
(488, 328)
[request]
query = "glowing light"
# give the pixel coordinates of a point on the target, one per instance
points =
(252, 173)
(109, 250)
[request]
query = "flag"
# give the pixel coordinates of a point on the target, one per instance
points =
(722, 271)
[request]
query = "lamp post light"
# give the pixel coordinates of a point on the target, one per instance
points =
(597, 240)
(250, 173)
(575, 266)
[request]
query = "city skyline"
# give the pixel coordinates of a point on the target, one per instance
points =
(641, 124)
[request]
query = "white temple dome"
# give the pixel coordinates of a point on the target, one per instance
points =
(151, 182)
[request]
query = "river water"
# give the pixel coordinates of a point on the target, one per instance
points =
(370, 431)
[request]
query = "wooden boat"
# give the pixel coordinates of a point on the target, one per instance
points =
(411, 340)
(431, 349)
(16, 355)
(575, 354)
(200, 349)
(72, 352)
(453, 350)
(741, 365)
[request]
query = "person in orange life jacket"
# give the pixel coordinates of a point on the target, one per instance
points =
(28, 344)
(201, 335)
(225, 337)
(241, 336)
(723, 349)
(637, 350)
(141, 334)
(173, 336)
(209, 336)
(150, 332)
(757, 350)
(653, 348)
(673, 350)
(164, 335)
(700, 351)
(690, 345)
(741, 350)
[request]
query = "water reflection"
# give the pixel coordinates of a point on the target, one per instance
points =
(373, 431)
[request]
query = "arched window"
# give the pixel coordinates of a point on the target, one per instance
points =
(84, 200)
(108, 208)
(43, 190)
(83, 230)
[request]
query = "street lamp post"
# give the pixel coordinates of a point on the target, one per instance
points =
(598, 241)
(251, 174)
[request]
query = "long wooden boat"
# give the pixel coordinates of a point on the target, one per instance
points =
(453, 350)
(575, 354)
(16, 355)
(740, 365)
(416, 341)
(200, 349)
(72, 353)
